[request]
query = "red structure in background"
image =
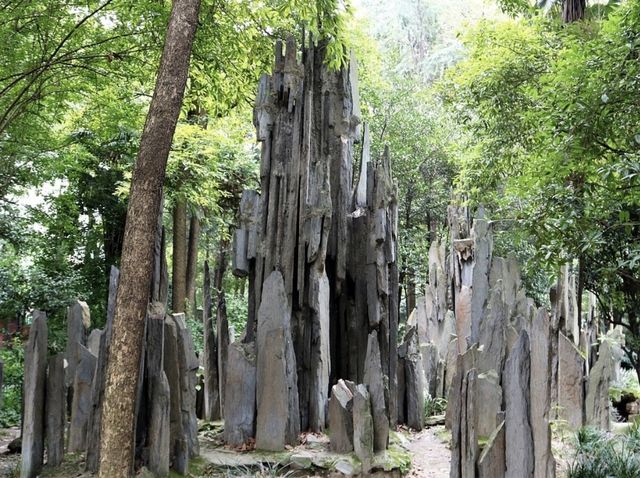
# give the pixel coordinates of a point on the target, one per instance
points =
(9, 329)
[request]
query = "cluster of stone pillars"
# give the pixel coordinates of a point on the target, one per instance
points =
(320, 256)
(63, 393)
(507, 367)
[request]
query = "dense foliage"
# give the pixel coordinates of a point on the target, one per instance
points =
(76, 79)
(553, 112)
(600, 455)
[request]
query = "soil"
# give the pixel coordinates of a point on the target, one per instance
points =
(9, 462)
(430, 454)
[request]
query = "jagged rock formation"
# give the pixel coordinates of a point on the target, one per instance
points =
(332, 242)
(166, 431)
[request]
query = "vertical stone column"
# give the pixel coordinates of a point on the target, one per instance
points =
(210, 356)
(35, 369)
(518, 434)
(82, 394)
(56, 410)
(570, 383)
(277, 380)
(78, 323)
(97, 392)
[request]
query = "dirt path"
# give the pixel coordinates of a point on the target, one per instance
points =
(430, 455)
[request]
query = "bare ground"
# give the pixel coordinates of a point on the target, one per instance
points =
(430, 454)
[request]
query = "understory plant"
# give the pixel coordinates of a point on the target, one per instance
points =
(434, 406)
(13, 359)
(603, 455)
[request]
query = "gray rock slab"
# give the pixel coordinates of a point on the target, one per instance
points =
(35, 368)
(240, 390)
(519, 456)
(570, 383)
(491, 463)
(492, 333)
(320, 352)
(363, 432)
(78, 323)
(341, 418)
(159, 427)
(81, 405)
(93, 342)
(597, 402)
(489, 402)
(541, 370)
(179, 452)
(56, 410)
(374, 380)
(278, 419)
(414, 385)
(430, 362)
(189, 365)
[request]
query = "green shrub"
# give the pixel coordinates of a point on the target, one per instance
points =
(627, 384)
(434, 406)
(13, 359)
(602, 455)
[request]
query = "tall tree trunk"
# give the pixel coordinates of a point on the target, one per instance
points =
(222, 322)
(410, 277)
(117, 445)
(573, 10)
(179, 278)
(192, 259)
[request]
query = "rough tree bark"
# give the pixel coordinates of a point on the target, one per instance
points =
(179, 277)
(222, 322)
(117, 446)
(192, 260)
(573, 10)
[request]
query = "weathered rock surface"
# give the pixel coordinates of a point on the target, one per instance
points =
(541, 364)
(179, 450)
(430, 362)
(461, 417)
(492, 333)
(78, 323)
(159, 426)
(97, 394)
(489, 402)
(321, 356)
(81, 406)
(56, 410)
(374, 380)
(303, 225)
(188, 368)
(597, 400)
(570, 383)
(463, 364)
(93, 342)
(35, 368)
(240, 390)
(483, 246)
(363, 427)
(414, 382)
(469, 426)
(210, 356)
(278, 422)
(341, 417)
(491, 463)
(519, 454)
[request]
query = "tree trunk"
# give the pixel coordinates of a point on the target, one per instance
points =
(117, 445)
(410, 278)
(573, 10)
(192, 260)
(222, 322)
(179, 278)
